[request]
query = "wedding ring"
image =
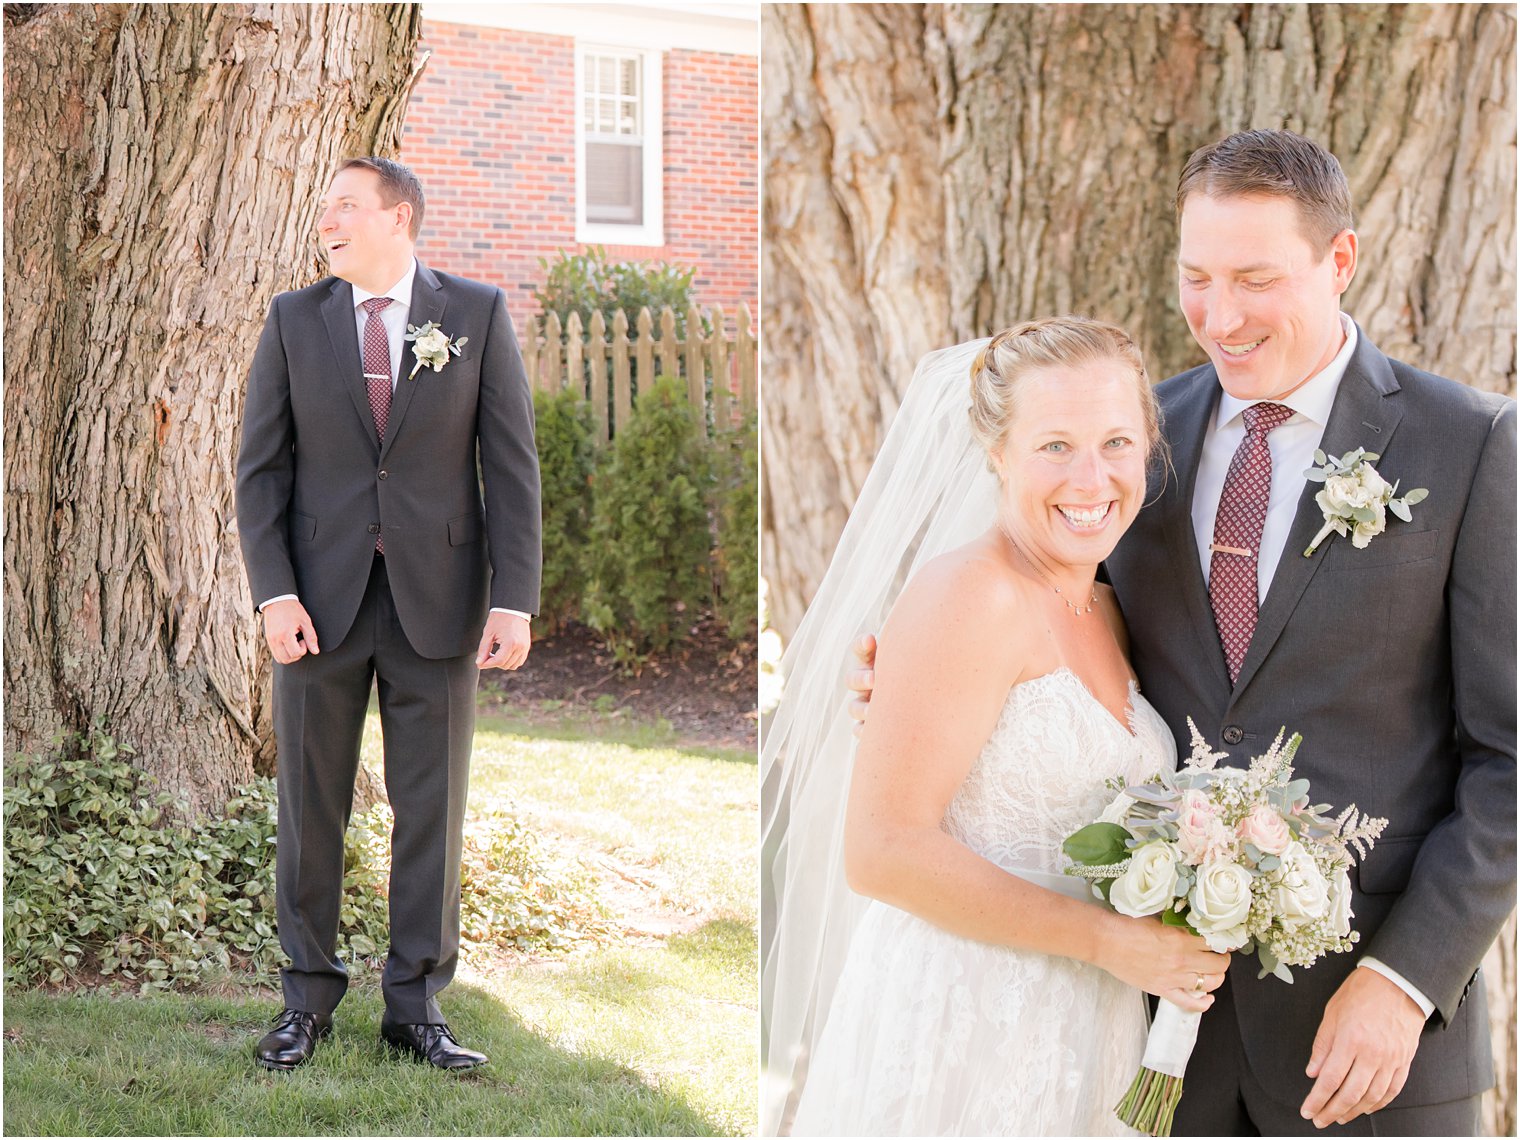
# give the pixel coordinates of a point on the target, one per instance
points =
(1198, 985)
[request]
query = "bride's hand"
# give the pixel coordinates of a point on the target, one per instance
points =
(1167, 961)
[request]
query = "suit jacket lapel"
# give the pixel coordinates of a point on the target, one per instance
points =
(1187, 422)
(428, 303)
(343, 332)
(1362, 416)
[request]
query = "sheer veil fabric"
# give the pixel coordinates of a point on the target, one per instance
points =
(929, 491)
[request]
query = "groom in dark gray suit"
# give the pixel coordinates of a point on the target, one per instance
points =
(373, 557)
(1395, 660)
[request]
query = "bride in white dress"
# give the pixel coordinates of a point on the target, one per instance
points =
(977, 991)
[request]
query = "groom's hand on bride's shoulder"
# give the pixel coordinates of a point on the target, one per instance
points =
(504, 643)
(861, 681)
(288, 631)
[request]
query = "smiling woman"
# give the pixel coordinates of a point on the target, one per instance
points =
(1002, 704)
(957, 215)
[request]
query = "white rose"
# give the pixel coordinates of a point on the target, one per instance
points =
(433, 343)
(1115, 812)
(1221, 899)
(1340, 903)
(1363, 533)
(1300, 893)
(1145, 888)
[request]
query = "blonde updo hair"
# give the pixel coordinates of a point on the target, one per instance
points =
(1051, 342)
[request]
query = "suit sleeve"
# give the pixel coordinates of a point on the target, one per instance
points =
(509, 468)
(266, 468)
(1462, 886)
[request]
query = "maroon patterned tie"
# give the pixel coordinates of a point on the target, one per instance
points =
(1237, 534)
(377, 373)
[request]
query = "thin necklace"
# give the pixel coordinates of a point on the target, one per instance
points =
(1076, 609)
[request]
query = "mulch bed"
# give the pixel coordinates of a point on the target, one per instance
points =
(706, 689)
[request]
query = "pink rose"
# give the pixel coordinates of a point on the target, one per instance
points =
(1266, 829)
(1201, 835)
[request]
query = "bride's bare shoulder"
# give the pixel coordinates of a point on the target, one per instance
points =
(967, 600)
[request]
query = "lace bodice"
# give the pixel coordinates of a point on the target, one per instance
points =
(1041, 774)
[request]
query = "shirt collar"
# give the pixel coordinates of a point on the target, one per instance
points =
(400, 292)
(1314, 397)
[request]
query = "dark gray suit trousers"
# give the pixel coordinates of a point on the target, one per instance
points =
(427, 717)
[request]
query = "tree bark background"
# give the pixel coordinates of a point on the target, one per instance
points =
(163, 165)
(936, 172)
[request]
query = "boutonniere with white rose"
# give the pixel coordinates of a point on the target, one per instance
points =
(1356, 498)
(432, 347)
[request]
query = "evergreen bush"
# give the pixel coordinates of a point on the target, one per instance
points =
(650, 535)
(566, 463)
(587, 283)
(738, 532)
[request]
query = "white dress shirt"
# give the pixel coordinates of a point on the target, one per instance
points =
(1292, 446)
(393, 316)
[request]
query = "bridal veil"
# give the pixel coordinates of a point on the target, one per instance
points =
(929, 491)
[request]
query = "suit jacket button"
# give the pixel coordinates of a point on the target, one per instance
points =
(374, 528)
(385, 474)
(1234, 734)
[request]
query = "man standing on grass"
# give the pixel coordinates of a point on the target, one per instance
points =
(381, 402)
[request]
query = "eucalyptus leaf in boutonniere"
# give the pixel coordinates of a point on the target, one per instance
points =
(1356, 498)
(431, 346)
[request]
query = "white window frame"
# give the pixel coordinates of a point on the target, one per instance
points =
(652, 231)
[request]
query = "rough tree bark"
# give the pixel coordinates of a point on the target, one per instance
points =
(162, 169)
(935, 172)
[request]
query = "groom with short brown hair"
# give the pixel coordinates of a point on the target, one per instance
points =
(388, 509)
(1395, 659)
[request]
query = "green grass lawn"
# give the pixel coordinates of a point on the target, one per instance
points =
(650, 1032)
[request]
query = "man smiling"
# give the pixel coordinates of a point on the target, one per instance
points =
(372, 557)
(1396, 660)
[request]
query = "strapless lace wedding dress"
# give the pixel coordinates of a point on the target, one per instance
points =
(932, 1034)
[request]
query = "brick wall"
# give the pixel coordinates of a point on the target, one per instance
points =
(491, 133)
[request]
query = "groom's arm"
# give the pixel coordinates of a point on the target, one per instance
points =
(509, 468)
(266, 468)
(1462, 886)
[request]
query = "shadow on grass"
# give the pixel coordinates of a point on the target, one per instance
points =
(93, 1064)
(604, 730)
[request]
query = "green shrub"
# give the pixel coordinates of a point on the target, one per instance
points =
(587, 283)
(100, 876)
(738, 533)
(566, 462)
(650, 535)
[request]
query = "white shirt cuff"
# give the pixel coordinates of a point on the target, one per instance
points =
(514, 613)
(279, 598)
(1427, 1007)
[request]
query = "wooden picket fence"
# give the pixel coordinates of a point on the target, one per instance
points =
(720, 370)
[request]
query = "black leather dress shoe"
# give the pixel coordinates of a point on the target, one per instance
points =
(293, 1039)
(434, 1044)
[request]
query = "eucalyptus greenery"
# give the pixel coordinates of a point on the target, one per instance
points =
(105, 875)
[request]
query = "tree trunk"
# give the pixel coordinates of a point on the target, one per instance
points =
(163, 165)
(934, 173)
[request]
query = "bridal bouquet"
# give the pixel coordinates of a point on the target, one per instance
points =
(1239, 857)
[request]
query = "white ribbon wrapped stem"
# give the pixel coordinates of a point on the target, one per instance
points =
(1173, 1034)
